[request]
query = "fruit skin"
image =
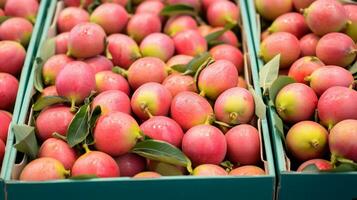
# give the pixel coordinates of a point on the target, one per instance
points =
(22, 8)
(296, 102)
(308, 44)
(351, 29)
(302, 4)
(180, 23)
(122, 50)
(190, 109)
(228, 37)
(321, 164)
(16, 29)
(12, 57)
(163, 128)
(304, 67)
(53, 66)
(153, 7)
(330, 114)
(219, 13)
(333, 14)
(96, 163)
(130, 164)
(210, 80)
(70, 17)
(196, 4)
(248, 170)
(59, 150)
(158, 45)
(230, 53)
(179, 60)
(147, 69)
(242, 83)
(43, 169)
(209, 170)
(8, 91)
(283, 43)
(328, 76)
(111, 17)
(177, 83)
(62, 43)
(141, 25)
(5, 120)
(2, 151)
(292, 22)
(342, 139)
(86, 40)
(147, 174)
(108, 80)
(151, 99)
(116, 133)
(120, 2)
(190, 42)
(307, 140)
(271, 9)
(207, 3)
(49, 91)
(342, 54)
(234, 106)
(204, 144)
(99, 63)
(77, 3)
(75, 81)
(112, 101)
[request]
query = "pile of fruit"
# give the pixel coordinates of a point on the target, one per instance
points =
(16, 24)
(131, 85)
(314, 43)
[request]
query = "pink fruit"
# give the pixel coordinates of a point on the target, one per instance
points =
(99, 63)
(22, 8)
(144, 70)
(271, 9)
(53, 66)
(228, 37)
(86, 40)
(111, 17)
(12, 56)
(70, 17)
(351, 29)
(53, 119)
(230, 53)
(328, 76)
(234, 106)
(242, 83)
(292, 22)
(196, 4)
(180, 23)
(337, 104)
(217, 78)
(204, 144)
(179, 60)
(120, 2)
(307, 140)
(177, 83)
(43, 169)
(122, 50)
(141, 25)
(2, 13)
(296, 102)
(112, 101)
(320, 164)
(95, 163)
(59, 150)
(49, 91)
(264, 34)
(209, 170)
(342, 54)
(116, 133)
(219, 13)
(302, 4)
(303, 68)
(243, 145)
(77, 3)
(163, 128)
(326, 16)
(190, 109)
(204, 30)
(5, 120)
(147, 174)
(207, 3)
(130, 164)
(2, 151)
(108, 80)
(308, 44)
(158, 45)
(342, 139)
(190, 42)
(62, 43)
(8, 90)
(17, 29)
(151, 99)
(283, 43)
(248, 170)
(153, 7)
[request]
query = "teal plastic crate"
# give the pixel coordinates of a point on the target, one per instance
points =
(174, 187)
(293, 185)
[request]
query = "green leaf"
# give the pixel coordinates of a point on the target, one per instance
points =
(83, 177)
(129, 6)
(227, 164)
(178, 9)
(278, 125)
(91, 7)
(163, 152)
(215, 35)
(26, 140)
(78, 129)
(268, 73)
(215, 43)
(260, 107)
(92, 121)
(278, 84)
(180, 68)
(197, 62)
(311, 168)
(353, 68)
(204, 65)
(344, 167)
(4, 18)
(43, 102)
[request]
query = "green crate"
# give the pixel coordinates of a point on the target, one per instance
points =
(293, 185)
(254, 187)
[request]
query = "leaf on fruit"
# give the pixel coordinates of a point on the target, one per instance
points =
(353, 68)
(278, 84)
(179, 68)
(129, 6)
(348, 2)
(260, 107)
(278, 125)
(46, 101)
(163, 152)
(197, 62)
(83, 177)
(268, 73)
(178, 9)
(215, 35)
(92, 121)
(311, 168)
(343, 167)
(26, 140)
(91, 7)
(4, 18)
(78, 129)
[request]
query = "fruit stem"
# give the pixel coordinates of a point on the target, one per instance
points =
(67, 173)
(329, 126)
(210, 118)
(333, 159)
(86, 148)
(314, 144)
(59, 136)
(307, 78)
(202, 93)
(233, 117)
(120, 71)
(73, 106)
(146, 110)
